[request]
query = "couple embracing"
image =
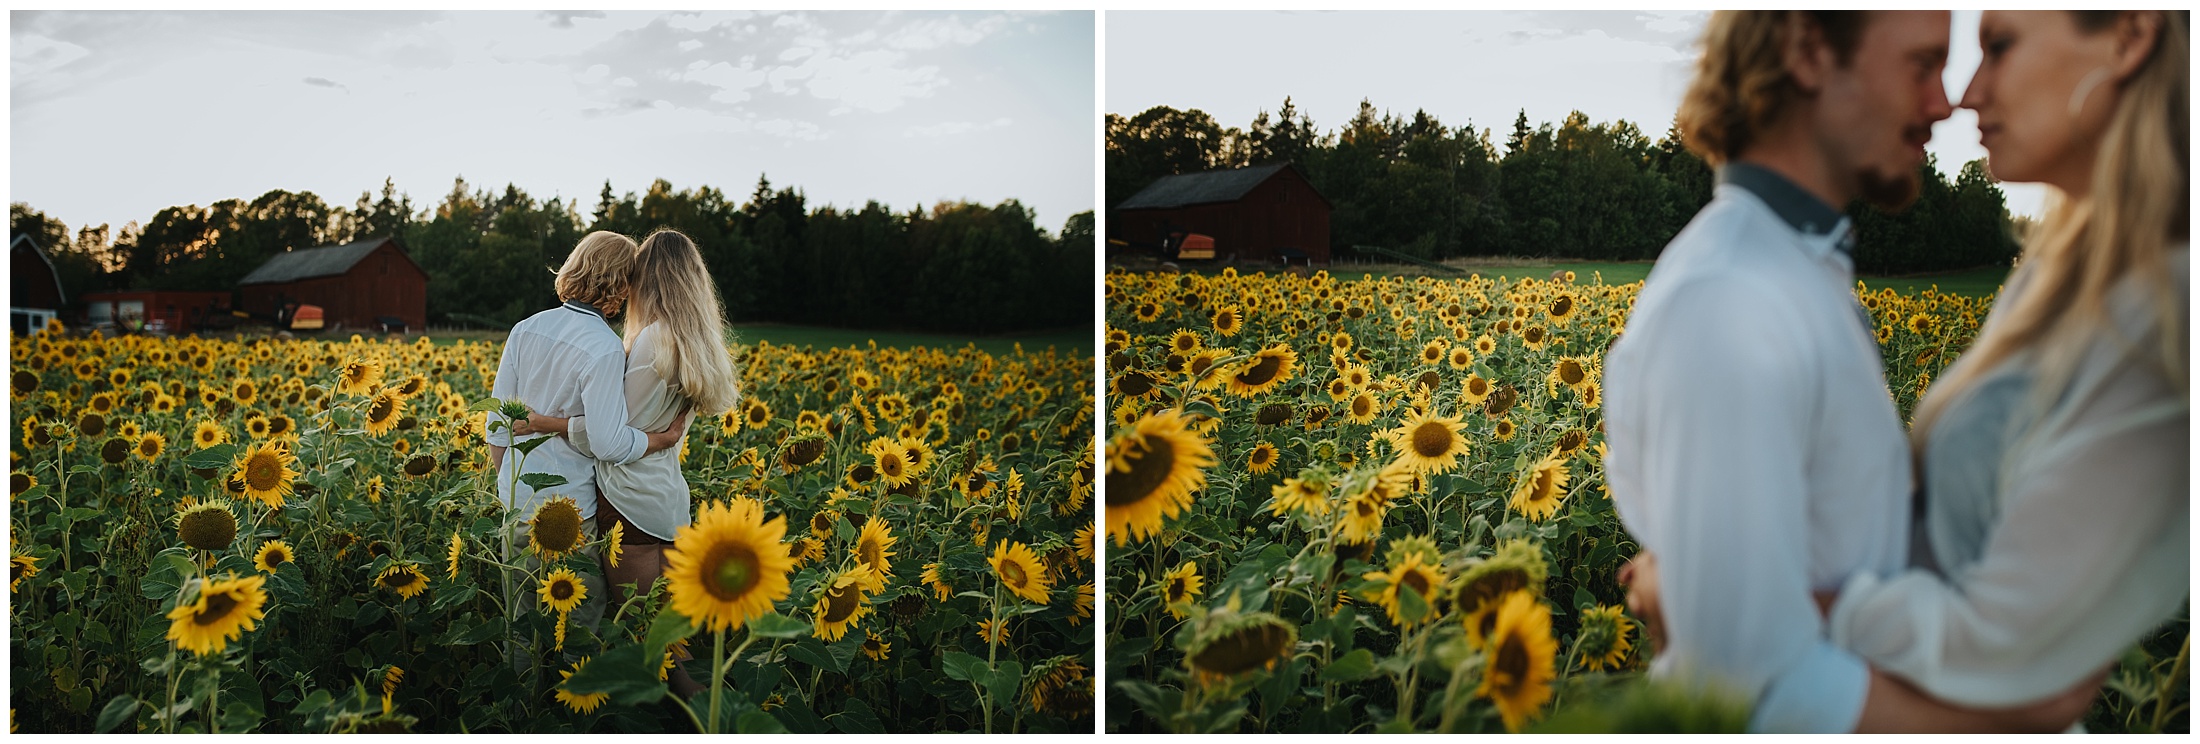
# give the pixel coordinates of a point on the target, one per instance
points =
(618, 408)
(1982, 570)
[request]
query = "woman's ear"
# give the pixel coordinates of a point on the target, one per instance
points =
(2137, 33)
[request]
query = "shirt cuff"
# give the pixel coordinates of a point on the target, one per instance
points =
(1822, 694)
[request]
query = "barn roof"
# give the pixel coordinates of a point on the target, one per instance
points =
(40, 252)
(328, 260)
(1201, 188)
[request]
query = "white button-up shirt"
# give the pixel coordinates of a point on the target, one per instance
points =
(1755, 449)
(564, 362)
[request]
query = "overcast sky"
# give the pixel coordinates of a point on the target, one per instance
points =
(117, 115)
(1482, 67)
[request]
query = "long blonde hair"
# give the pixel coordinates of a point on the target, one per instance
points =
(2085, 248)
(673, 290)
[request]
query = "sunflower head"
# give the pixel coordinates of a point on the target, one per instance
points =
(272, 556)
(579, 703)
(1542, 490)
(404, 579)
(265, 473)
(208, 525)
(222, 611)
(874, 550)
(1517, 676)
(1020, 572)
(1153, 467)
(1603, 639)
(841, 602)
(555, 530)
(1227, 643)
(1517, 565)
(728, 566)
(562, 591)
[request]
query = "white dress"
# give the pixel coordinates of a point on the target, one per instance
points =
(2057, 538)
(650, 492)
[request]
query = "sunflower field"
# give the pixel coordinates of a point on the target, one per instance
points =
(1379, 504)
(260, 535)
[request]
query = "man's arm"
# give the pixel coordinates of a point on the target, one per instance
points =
(1724, 445)
(603, 399)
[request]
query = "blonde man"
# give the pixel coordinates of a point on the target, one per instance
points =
(1754, 448)
(566, 361)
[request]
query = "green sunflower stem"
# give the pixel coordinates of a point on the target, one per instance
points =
(213, 701)
(717, 670)
(2162, 708)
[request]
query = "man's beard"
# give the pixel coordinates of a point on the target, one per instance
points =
(1893, 193)
(1889, 194)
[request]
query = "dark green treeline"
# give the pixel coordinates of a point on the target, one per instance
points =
(957, 267)
(1579, 189)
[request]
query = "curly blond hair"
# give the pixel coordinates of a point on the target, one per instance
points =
(1742, 85)
(598, 269)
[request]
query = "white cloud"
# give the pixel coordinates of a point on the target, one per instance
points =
(935, 33)
(690, 45)
(872, 81)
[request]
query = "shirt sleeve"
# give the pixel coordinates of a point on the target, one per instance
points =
(501, 389)
(603, 399)
(2090, 552)
(1725, 438)
(641, 381)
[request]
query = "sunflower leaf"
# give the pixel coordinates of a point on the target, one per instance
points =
(119, 709)
(1352, 667)
(539, 481)
(776, 625)
(212, 457)
(485, 404)
(962, 666)
(626, 673)
(857, 718)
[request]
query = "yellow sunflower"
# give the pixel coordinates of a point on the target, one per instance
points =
(842, 604)
(729, 566)
(1363, 408)
(458, 548)
(150, 445)
(890, 461)
(1178, 587)
(1421, 579)
(404, 579)
(209, 525)
(1604, 632)
(579, 703)
(272, 556)
(931, 576)
(1262, 459)
(992, 632)
(1229, 320)
(359, 376)
(1266, 369)
(266, 473)
(20, 566)
(1020, 572)
(1430, 444)
(1308, 494)
(1519, 672)
(384, 411)
(874, 548)
(1542, 490)
(223, 610)
(1152, 470)
(875, 647)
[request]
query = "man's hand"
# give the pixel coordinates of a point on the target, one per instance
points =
(1640, 576)
(671, 435)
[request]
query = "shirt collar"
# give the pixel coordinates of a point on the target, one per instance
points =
(1801, 211)
(583, 307)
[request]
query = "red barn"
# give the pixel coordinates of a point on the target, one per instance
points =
(357, 284)
(158, 311)
(1263, 213)
(34, 286)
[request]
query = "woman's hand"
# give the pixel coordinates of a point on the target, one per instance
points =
(539, 424)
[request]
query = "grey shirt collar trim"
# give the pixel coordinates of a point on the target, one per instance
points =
(579, 306)
(1798, 208)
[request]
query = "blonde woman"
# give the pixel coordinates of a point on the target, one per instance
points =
(2053, 456)
(677, 365)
